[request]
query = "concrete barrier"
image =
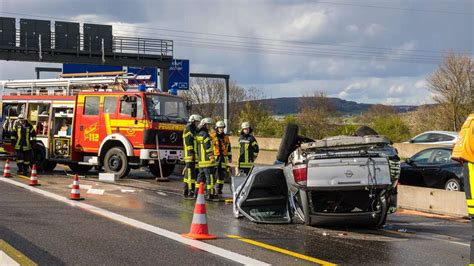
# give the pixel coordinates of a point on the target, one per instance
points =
(406, 150)
(430, 200)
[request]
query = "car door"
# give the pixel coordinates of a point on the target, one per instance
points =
(412, 170)
(432, 175)
(87, 136)
(262, 196)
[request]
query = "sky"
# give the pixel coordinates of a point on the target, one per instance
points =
(370, 51)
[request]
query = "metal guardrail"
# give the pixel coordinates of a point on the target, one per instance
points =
(81, 45)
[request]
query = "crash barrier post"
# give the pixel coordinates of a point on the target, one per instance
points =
(6, 169)
(75, 192)
(33, 177)
(437, 201)
(199, 229)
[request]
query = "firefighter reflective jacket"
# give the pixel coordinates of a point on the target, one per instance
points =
(205, 149)
(248, 150)
(222, 147)
(22, 135)
(189, 140)
(464, 148)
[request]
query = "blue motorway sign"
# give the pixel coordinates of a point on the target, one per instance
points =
(139, 71)
(178, 78)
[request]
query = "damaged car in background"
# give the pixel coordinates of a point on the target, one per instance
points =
(339, 180)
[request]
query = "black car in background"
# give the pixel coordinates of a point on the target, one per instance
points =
(432, 168)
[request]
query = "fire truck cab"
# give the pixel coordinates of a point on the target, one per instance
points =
(100, 121)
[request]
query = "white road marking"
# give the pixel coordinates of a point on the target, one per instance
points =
(227, 254)
(162, 193)
(6, 260)
(82, 186)
(95, 191)
(127, 190)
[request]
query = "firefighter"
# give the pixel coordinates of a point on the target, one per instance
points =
(222, 153)
(23, 136)
(205, 158)
(189, 140)
(248, 149)
(463, 151)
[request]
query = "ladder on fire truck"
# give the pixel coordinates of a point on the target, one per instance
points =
(66, 86)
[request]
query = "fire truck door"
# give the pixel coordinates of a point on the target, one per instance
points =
(87, 125)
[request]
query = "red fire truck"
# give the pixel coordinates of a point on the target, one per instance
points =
(98, 121)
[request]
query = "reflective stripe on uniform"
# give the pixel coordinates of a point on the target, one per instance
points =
(471, 177)
(470, 210)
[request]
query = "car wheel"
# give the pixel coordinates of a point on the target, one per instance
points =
(302, 207)
(453, 184)
(288, 142)
(116, 161)
(165, 167)
(39, 158)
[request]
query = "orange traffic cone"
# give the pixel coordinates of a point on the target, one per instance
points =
(33, 178)
(6, 169)
(199, 228)
(75, 193)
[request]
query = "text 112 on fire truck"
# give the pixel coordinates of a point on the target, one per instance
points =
(96, 121)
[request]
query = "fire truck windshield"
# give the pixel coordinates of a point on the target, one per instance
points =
(161, 108)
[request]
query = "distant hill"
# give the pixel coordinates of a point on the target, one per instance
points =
(290, 105)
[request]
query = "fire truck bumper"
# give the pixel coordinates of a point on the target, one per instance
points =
(169, 155)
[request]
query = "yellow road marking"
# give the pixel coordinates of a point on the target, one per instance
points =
(22, 176)
(16, 255)
(281, 250)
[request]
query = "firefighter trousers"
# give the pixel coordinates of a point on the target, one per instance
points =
(189, 178)
(23, 159)
(206, 175)
(468, 174)
(220, 174)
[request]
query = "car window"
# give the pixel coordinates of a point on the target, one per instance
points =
(110, 105)
(422, 157)
(443, 137)
(440, 156)
(421, 138)
(91, 105)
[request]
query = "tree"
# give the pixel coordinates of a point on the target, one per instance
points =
(314, 114)
(207, 96)
(453, 85)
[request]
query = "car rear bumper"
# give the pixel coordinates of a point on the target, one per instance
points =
(344, 218)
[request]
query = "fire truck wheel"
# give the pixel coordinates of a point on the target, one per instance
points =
(39, 154)
(75, 167)
(116, 161)
(167, 169)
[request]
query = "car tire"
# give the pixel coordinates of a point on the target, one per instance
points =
(288, 142)
(166, 168)
(116, 161)
(453, 184)
(79, 168)
(302, 207)
(365, 131)
(39, 158)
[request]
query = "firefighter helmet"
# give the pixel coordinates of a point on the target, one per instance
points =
(207, 121)
(220, 124)
(194, 118)
(245, 125)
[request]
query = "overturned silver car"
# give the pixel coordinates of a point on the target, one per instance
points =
(334, 181)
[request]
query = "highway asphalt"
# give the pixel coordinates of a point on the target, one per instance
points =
(407, 239)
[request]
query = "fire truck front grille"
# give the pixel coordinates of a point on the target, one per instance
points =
(164, 137)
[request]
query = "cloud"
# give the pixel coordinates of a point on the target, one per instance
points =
(374, 29)
(362, 54)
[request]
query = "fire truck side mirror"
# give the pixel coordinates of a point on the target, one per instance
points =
(134, 109)
(189, 106)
